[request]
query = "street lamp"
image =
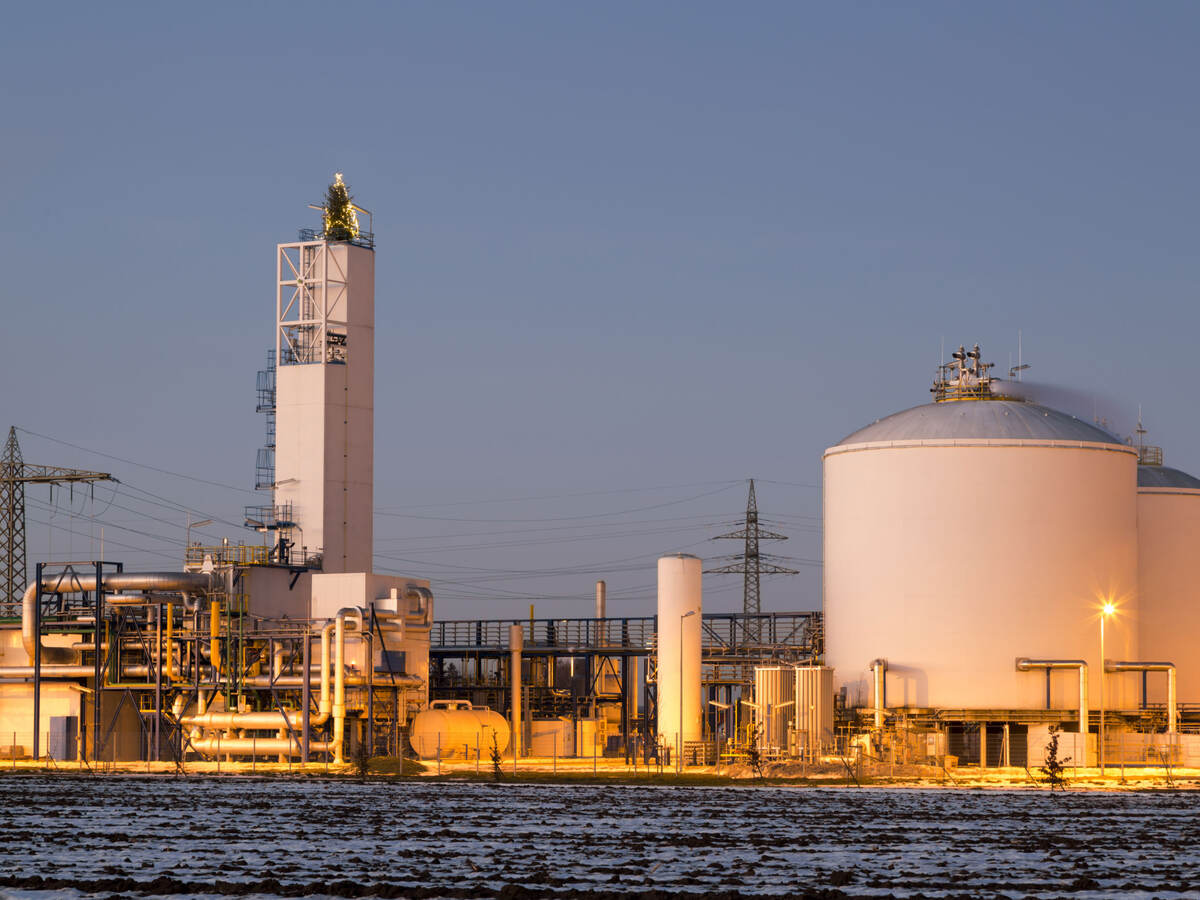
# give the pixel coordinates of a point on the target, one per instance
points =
(1108, 609)
(679, 736)
(190, 526)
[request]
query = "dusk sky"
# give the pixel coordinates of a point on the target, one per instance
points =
(629, 255)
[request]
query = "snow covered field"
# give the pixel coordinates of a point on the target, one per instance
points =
(97, 836)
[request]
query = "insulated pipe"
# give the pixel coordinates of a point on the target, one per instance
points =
(258, 721)
(192, 582)
(243, 746)
(339, 678)
(214, 633)
(1168, 667)
(879, 669)
(601, 612)
(516, 643)
(168, 663)
(425, 614)
(1024, 664)
(48, 672)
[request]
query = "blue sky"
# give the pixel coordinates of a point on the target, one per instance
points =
(628, 255)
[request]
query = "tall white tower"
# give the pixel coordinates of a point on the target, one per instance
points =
(325, 386)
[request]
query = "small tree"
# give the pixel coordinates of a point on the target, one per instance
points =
(341, 222)
(497, 772)
(754, 755)
(1054, 767)
(362, 760)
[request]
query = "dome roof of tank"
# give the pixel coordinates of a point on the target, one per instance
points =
(1166, 477)
(980, 420)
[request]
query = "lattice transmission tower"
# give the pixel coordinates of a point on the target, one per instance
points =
(14, 475)
(750, 563)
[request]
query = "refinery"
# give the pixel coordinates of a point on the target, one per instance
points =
(996, 572)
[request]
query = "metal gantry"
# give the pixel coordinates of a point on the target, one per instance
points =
(575, 665)
(15, 473)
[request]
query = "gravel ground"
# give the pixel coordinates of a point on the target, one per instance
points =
(69, 836)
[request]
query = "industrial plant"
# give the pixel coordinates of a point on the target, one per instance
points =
(995, 571)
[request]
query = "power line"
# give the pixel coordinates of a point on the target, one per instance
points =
(140, 465)
(620, 512)
(640, 490)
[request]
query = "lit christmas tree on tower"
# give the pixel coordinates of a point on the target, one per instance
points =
(341, 221)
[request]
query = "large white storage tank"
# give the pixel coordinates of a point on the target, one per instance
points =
(680, 714)
(965, 533)
(1168, 512)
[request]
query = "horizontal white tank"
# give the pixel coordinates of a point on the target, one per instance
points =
(453, 729)
(679, 614)
(962, 535)
(1168, 510)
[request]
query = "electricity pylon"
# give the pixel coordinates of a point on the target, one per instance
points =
(14, 475)
(750, 563)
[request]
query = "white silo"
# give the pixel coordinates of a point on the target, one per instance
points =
(965, 533)
(1168, 512)
(680, 714)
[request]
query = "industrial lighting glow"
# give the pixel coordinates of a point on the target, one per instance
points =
(1109, 608)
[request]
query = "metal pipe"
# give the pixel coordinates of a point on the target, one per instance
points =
(244, 746)
(424, 615)
(214, 635)
(516, 642)
(50, 672)
(879, 669)
(1024, 664)
(1139, 666)
(339, 689)
(193, 582)
(339, 677)
(257, 721)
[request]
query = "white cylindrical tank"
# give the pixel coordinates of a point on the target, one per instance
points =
(961, 535)
(679, 613)
(774, 707)
(1168, 512)
(454, 729)
(813, 710)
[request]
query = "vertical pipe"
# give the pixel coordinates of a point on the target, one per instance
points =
(625, 692)
(601, 611)
(158, 659)
(879, 668)
(1103, 667)
(1171, 713)
(339, 689)
(369, 663)
(516, 642)
(37, 665)
(170, 658)
(99, 658)
(214, 635)
(1084, 713)
(305, 695)
(983, 759)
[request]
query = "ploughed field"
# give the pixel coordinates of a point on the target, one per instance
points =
(69, 836)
